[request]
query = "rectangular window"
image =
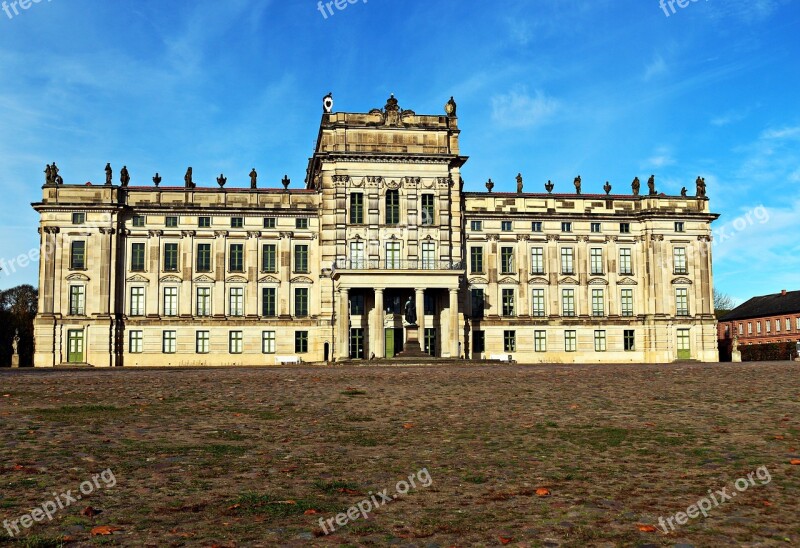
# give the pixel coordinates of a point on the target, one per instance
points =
(428, 210)
(599, 341)
(568, 302)
(476, 260)
(392, 207)
(566, 227)
(598, 303)
(428, 256)
(758, 328)
(741, 328)
(596, 261)
(301, 342)
(204, 222)
(505, 226)
(536, 226)
(567, 260)
(357, 259)
(203, 301)
(170, 257)
(78, 256)
(78, 218)
(679, 258)
(777, 326)
(537, 260)
(625, 264)
(301, 302)
(393, 255)
(268, 302)
(236, 258)
(797, 323)
(476, 226)
(570, 341)
(301, 259)
(137, 301)
(139, 221)
(135, 342)
(270, 222)
(236, 301)
(788, 324)
(201, 345)
(268, 342)
(237, 222)
(540, 341)
(682, 301)
(508, 302)
(170, 301)
(507, 260)
(627, 302)
(767, 323)
(169, 342)
(137, 257)
(429, 304)
(537, 300)
(509, 341)
(629, 340)
(680, 227)
(430, 341)
(356, 304)
(478, 302)
(301, 224)
(269, 258)
(479, 342)
(596, 228)
(77, 300)
(749, 328)
(204, 257)
(235, 342)
(624, 228)
(356, 208)
(171, 222)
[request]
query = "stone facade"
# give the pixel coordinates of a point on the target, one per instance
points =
(171, 276)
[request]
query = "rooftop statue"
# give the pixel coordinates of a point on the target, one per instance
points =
(124, 176)
(701, 187)
(109, 174)
(577, 184)
(253, 179)
(651, 185)
(187, 179)
(635, 185)
(519, 183)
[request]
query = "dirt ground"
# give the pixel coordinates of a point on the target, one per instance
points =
(489, 456)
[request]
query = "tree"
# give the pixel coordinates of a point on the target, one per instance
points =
(723, 303)
(18, 307)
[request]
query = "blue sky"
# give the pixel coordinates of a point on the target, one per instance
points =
(607, 89)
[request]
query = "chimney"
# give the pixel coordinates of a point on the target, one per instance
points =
(783, 292)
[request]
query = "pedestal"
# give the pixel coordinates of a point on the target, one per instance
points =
(15, 360)
(411, 348)
(736, 357)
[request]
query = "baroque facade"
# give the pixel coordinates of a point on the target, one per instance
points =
(172, 276)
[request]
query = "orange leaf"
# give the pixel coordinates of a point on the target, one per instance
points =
(505, 540)
(104, 530)
(408, 425)
(89, 512)
(574, 406)
(646, 528)
(310, 512)
(543, 492)
(780, 437)
(795, 462)
(766, 503)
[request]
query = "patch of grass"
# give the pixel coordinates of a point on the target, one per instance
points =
(230, 435)
(251, 503)
(35, 541)
(476, 478)
(353, 393)
(358, 418)
(222, 450)
(333, 487)
(596, 438)
(362, 440)
(78, 412)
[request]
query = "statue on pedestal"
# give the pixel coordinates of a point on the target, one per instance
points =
(651, 185)
(636, 185)
(15, 348)
(48, 175)
(519, 183)
(577, 184)
(684, 192)
(736, 355)
(187, 179)
(109, 174)
(253, 179)
(124, 176)
(411, 311)
(701, 187)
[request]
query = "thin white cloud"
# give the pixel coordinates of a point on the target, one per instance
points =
(520, 109)
(662, 157)
(729, 118)
(782, 133)
(655, 68)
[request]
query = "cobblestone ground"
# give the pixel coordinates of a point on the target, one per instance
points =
(522, 456)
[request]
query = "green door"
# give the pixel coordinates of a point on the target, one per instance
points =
(75, 346)
(684, 347)
(389, 338)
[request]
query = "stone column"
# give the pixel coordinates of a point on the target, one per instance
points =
(343, 322)
(453, 335)
(252, 268)
(284, 296)
(152, 307)
(377, 327)
(186, 258)
(420, 299)
(219, 295)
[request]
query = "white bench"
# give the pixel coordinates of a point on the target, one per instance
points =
(500, 357)
(284, 360)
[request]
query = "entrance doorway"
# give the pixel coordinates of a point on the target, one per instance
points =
(75, 346)
(684, 346)
(326, 351)
(394, 342)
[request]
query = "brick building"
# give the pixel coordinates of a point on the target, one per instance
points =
(761, 320)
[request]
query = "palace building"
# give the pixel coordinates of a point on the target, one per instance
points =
(187, 276)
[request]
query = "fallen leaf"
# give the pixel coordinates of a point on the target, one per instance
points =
(780, 437)
(795, 462)
(104, 530)
(646, 528)
(650, 424)
(89, 512)
(766, 503)
(505, 540)
(543, 492)
(310, 512)
(574, 406)
(347, 491)
(408, 425)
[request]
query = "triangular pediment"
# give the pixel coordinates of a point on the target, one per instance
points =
(170, 280)
(78, 277)
(269, 280)
(236, 280)
(681, 281)
(138, 279)
(302, 280)
(478, 281)
(627, 281)
(539, 281)
(203, 279)
(568, 281)
(507, 280)
(598, 281)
